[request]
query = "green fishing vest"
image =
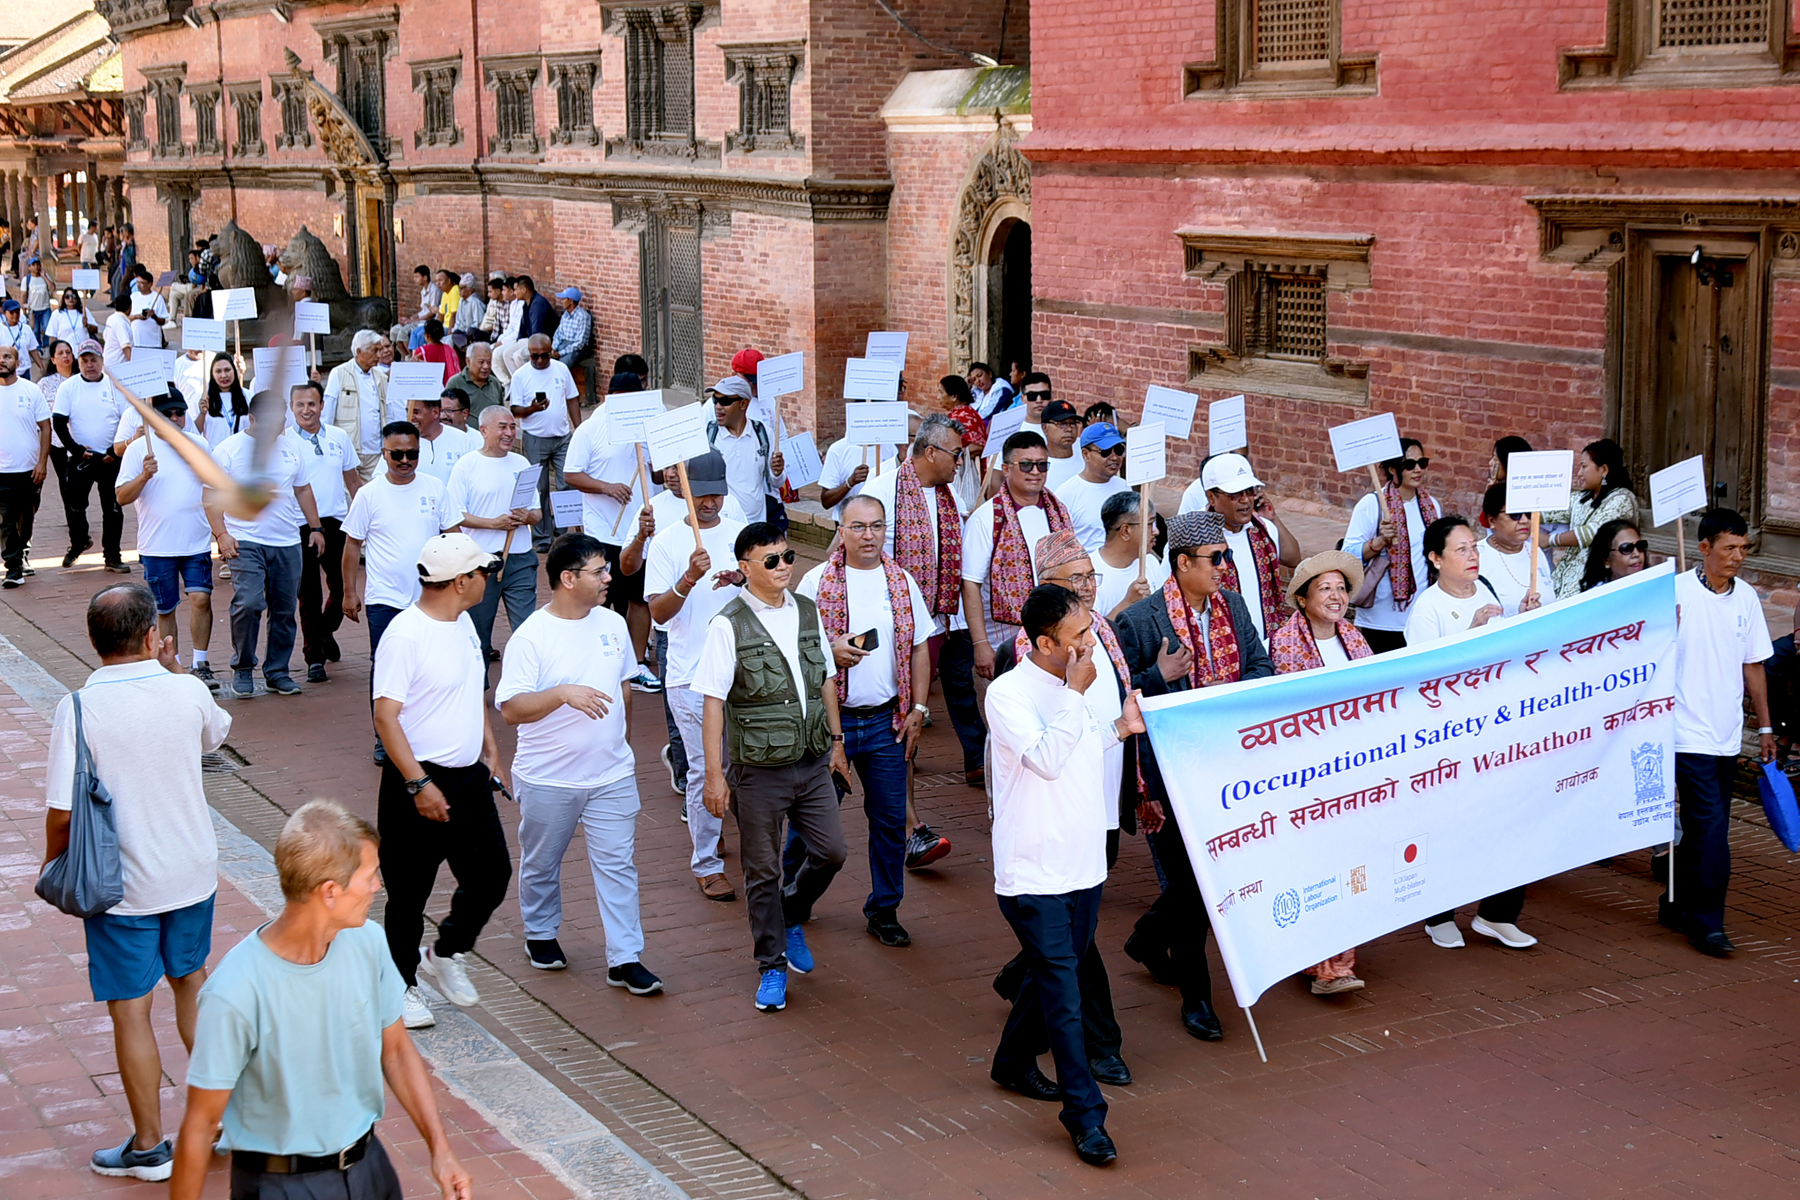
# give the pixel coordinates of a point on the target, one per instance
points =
(764, 725)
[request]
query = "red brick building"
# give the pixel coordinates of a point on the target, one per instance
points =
(1556, 220)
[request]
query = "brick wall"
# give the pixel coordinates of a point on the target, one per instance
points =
(929, 172)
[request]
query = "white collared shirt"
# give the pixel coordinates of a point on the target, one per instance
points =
(717, 667)
(874, 679)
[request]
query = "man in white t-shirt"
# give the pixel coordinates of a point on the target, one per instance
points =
(847, 469)
(440, 446)
(17, 333)
(437, 783)
(390, 518)
(1027, 514)
(563, 684)
(1260, 544)
(264, 554)
(1720, 647)
(752, 460)
(84, 418)
(174, 542)
(686, 588)
(117, 331)
(1061, 427)
(548, 405)
(1116, 562)
(24, 458)
(481, 495)
(333, 471)
(149, 313)
(356, 399)
(1102, 456)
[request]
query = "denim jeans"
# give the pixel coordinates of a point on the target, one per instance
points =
(264, 579)
(608, 819)
(1702, 864)
(956, 672)
(880, 763)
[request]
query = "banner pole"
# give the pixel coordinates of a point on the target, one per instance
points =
(1251, 1017)
(687, 493)
(1143, 527)
(1532, 543)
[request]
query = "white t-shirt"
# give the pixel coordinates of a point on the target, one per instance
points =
(883, 489)
(1084, 501)
(147, 728)
(1063, 469)
(841, 460)
(439, 455)
(1717, 636)
(93, 411)
(665, 563)
(746, 467)
(1510, 576)
(978, 547)
(481, 486)
(592, 454)
(669, 509)
(279, 523)
(570, 748)
(393, 524)
(558, 385)
(1332, 652)
(436, 670)
(1365, 524)
(324, 458)
(23, 338)
(116, 339)
(171, 521)
(67, 325)
(1436, 614)
(23, 410)
(1115, 582)
(717, 667)
(873, 680)
(1249, 582)
(144, 331)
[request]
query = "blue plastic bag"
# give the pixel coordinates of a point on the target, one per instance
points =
(1778, 803)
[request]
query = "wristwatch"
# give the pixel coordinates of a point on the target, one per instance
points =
(415, 786)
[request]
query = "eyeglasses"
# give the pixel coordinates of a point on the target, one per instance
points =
(599, 572)
(864, 527)
(956, 455)
(769, 560)
(1038, 466)
(1632, 548)
(1408, 464)
(403, 455)
(1076, 582)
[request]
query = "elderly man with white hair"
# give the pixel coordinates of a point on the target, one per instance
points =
(356, 400)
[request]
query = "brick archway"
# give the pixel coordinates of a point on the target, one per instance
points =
(997, 194)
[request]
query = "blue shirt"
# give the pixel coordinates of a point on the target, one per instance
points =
(538, 318)
(298, 1045)
(572, 332)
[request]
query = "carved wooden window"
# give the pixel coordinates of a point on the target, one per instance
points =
(135, 138)
(360, 46)
(574, 80)
(765, 78)
(206, 119)
(247, 103)
(669, 290)
(1284, 315)
(291, 95)
(1711, 22)
(435, 82)
(1688, 43)
(166, 94)
(515, 121)
(1285, 47)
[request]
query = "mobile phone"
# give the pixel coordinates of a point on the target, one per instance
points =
(543, 398)
(494, 784)
(867, 642)
(842, 784)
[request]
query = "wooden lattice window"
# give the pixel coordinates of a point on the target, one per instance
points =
(669, 288)
(1286, 316)
(360, 46)
(765, 78)
(1711, 23)
(135, 138)
(1688, 44)
(1286, 47)
(435, 82)
(205, 102)
(1289, 31)
(291, 95)
(247, 104)
(165, 93)
(659, 82)
(513, 80)
(574, 81)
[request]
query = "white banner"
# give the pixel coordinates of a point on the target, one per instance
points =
(1324, 809)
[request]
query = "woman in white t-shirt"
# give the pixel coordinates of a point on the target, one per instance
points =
(1460, 599)
(1505, 561)
(1391, 524)
(70, 322)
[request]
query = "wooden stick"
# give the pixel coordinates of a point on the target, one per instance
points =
(687, 493)
(1532, 543)
(506, 547)
(312, 353)
(1680, 560)
(642, 487)
(237, 351)
(1143, 528)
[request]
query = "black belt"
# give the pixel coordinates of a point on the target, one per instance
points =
(867, 710)
(300, 1164)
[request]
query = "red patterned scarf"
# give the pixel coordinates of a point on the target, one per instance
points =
(1010, 577)
(1293, 649)
(1215, 653)
(1268, 575)
(938, 560)
(1400, 572)
(834, 615)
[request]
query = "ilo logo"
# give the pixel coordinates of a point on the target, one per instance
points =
(1287, 908)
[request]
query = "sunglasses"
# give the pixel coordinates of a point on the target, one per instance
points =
(1218, 558)
(769, 560)
(1632, 548)
(1037, 395)
(537, 354)
(1033, 466)
(1115, 452)
(1408, 464)
(403, 455)
(727, 401)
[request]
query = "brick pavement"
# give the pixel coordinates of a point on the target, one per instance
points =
(1612, 1059)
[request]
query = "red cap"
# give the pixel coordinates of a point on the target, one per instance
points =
(744, 361)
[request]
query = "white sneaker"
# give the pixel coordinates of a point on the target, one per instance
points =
(414, 1012)
(1446, 935)
(451, 977)
(1503, 932)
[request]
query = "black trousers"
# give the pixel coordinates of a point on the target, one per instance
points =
(1178, 922)
(1503, 906)
(18, 505)
(413, 848)
(80, 477)
(956, 671)
(373, 1178)
(1056, 934)
(322, 594)
(1703, 855)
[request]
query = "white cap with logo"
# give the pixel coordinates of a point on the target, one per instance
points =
(1228, 473)
(450, 555)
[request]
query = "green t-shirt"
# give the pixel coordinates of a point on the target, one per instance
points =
(299, 1046)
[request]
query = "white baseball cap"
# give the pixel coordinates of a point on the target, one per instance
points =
(1228, 473)
(449, 555)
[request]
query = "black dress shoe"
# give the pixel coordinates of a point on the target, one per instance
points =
(1094, 1147)
(1033, 1085)
(1111, 1069)
(1202, 1022)
(1156, 961)
(1712, 942)
(886, 927)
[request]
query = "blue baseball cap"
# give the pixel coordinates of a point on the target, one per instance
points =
(9, 305)
(1100, 436)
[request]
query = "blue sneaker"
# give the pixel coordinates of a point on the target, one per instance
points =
(771, 993)
(798, 956)
(152, 1166)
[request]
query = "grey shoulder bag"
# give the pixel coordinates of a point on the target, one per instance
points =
(88, 878)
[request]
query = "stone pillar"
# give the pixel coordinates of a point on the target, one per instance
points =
(121, 201)
(93, 197)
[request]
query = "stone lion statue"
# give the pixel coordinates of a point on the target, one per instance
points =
(306, 255)
(241, 262)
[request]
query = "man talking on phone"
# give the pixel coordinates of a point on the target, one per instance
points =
(763, 672)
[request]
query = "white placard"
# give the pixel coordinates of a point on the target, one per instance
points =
(84, 279)
(1538, 480)
(525, 487)
(1173, 410)
(1001, 426)
(889, 347)
(1146, 454)
(310, 316)
(876, 424)
(782, 375)
(800, 454)
(202, 333)
(409, 381)
(143, 377)
(1227, 428)
(1370, 440)
(166, 359)
(279, 368)
(235, 304)
(677, 435)
(565, 509)
(628, 412)
(871, 379)
(1674, 491)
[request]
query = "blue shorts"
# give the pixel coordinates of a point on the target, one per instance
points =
(127, 955)
(193, 571)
